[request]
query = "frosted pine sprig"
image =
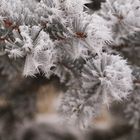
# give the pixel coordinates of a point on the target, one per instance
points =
(78, 107)
(19, 11)
(123, 18)
(34, 44)
(110, 74)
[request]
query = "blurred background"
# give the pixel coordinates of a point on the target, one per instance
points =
(28, 104)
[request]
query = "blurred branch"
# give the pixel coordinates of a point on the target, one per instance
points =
(113, 133)
(136, 81)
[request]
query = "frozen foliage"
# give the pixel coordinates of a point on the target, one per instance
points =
(123, 18)
(21, 11)
(69, 70)
(110, 74)
(60, 37)
(79, 107)
(51, 32)
(36, 45)
(103, 79)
